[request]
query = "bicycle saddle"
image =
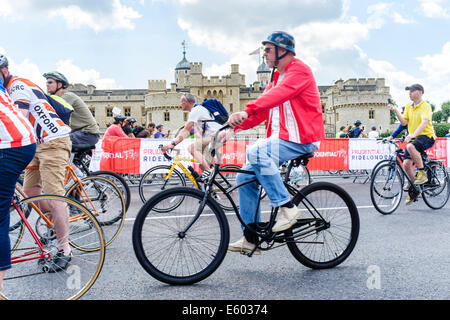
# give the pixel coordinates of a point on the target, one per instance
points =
(303, 159)
(78, 148)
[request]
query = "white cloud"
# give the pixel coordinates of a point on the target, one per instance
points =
(435, 70)
(98, 15)
(74, 74)
(90, 76)
(434, 8)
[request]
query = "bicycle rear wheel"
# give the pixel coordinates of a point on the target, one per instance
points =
(328, 229)
(30, 279)
(109, 205)
(436, 190)
(386, 188)
(119, 181)
(168, 253)
(297, 177)
(156, 180)
(223, 182)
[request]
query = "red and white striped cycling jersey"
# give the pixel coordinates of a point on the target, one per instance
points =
(15, 130)
(44, 119)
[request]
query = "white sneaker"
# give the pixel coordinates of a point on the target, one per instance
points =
(287, 217)
(242, 245)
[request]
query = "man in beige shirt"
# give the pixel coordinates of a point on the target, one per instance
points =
(85, 129)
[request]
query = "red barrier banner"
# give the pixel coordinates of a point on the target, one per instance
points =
(332, 155)
(126, 155)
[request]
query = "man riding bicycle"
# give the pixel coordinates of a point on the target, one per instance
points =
(417, 116)
(291, 107)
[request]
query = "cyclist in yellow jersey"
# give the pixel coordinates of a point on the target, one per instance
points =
(417, 116)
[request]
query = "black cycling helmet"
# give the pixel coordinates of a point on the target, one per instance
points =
(132, 120)
(119, 117)
(57, 76)
(357, 122)
(281, 39)
(3, 61)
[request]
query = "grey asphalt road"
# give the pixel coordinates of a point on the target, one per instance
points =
(405, 255)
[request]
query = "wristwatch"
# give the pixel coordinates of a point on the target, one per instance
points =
(173, 142)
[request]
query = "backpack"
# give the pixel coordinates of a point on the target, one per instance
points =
(216, 109)
(354, 132)
(61, 106)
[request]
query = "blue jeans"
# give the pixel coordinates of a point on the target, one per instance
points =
(13, 162)
(264, 158)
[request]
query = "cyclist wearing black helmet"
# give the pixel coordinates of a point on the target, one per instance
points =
(115, 130)
(356, 131)
(84, 127)
(291, 107)
(129, 126)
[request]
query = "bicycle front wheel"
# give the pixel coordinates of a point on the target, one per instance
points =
(436, 190)
(386, 188)
(29, 278)
(328, 229)
(105, 200)
(168, 252)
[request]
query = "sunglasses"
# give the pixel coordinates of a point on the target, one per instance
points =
(267, 49)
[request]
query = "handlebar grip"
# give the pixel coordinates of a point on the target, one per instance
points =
(165, 154)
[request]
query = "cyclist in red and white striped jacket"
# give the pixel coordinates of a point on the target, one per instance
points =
(52, 155)
(17, 148)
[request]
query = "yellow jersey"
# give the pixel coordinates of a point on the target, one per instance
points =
(415, 114)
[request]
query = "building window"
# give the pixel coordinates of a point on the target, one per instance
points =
(231, 107)
(150, 117)
(92, 110)
(127, 112)
(185, 116)
(231, 92)
(143, 111)
(166, 116)
(371, 114)
(109, 112)
(337, 117)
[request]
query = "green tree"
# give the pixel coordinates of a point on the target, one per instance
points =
(392, 114)
(445, 107)
(437, 116)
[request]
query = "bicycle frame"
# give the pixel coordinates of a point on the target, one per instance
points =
(177, 161)
(29, 255)
(85, 200)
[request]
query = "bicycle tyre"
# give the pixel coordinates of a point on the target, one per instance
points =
(438, 176)
(222, 185)
(108, 202)
(297, 181)
(208, 237)
(157, 182)
(30, 280)
(386, 188)
(322, 195)
(119, 181)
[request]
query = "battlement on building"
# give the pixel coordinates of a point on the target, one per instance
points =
(196, 67)
(157, 85)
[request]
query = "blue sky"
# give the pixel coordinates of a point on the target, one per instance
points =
(124, 43)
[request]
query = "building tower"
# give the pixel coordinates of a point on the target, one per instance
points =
(263, 74)
(182, 70)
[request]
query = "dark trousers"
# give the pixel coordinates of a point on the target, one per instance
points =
(12, 163)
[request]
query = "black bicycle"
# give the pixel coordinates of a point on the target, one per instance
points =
(188, 244)
(388, 182)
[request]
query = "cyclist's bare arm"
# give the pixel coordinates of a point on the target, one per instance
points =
(184, 133)
(399, 116)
